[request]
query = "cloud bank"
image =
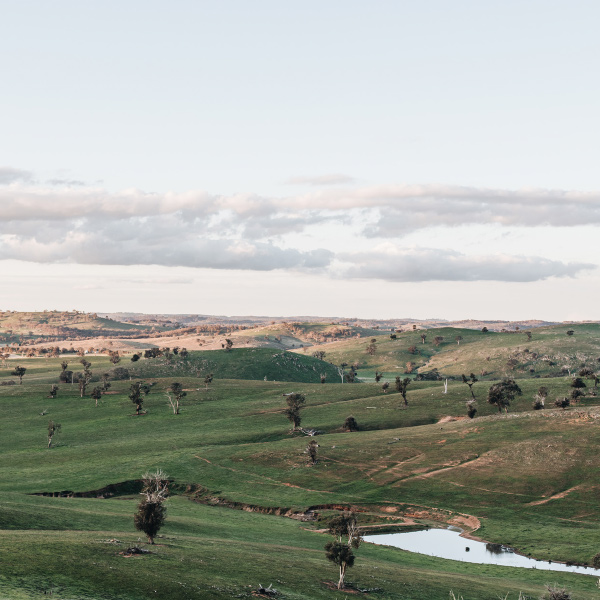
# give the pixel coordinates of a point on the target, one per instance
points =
(64, 222)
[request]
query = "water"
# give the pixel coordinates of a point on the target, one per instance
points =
(447, 543)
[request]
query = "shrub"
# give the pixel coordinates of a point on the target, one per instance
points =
(350, 424)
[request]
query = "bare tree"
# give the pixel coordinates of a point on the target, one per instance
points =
(53, 429)
(470, 381)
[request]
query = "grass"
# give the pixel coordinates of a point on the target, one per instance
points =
(529, 477)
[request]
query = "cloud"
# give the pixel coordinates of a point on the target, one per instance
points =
(391, 263)
(95, 248)
(67, 182)
(332, 179)
(89, 225)
(10, 175)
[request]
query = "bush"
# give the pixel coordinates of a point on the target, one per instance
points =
(119, 373)
(350, 424)
(596, 561)
(556, 593)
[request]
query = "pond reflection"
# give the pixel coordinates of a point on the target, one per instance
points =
(447, 543)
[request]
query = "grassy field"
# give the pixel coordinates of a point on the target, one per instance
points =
(528, 479)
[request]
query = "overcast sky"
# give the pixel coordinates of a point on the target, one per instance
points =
(372, 159)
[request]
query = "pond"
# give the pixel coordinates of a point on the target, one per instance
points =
(447, 543)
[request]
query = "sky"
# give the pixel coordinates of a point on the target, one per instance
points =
(385, 159)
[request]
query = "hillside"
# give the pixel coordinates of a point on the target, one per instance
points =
(527, 479)
(239, 363)
(545, 351)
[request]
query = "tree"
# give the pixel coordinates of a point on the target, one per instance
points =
(295, 403)
(438, 339)
(378, 376)
(175, 393)
(350, 424)
(539, 399)
(114, 356)
(228, 345)
(138, 391)
(208, 380)
(385, 387)
(423, 337)
(413, 350)
(401, 386)
(84, 378)
(66, 376)
(53, 429)
(578, 383)
(410, 367)
(320, 354)
(135, 358)
(458, 339)
(96, 394)
(470, 381)
(500, 394)
(323, 377)
(105, 382)
(311, 450)
(372, 347)
(393, 336)
(346, 535)
(19, 372)
(151, 512)
(53, 391)
(64, 364)
(589, 374)
(570, 332)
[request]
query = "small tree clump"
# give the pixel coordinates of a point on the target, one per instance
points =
(385, 387)
(228, 345)
(151, 512)
(372, 347)
(53, 390)
(378, 376)
(437, 340)
(562, 402)
(323, 378)
(350, 424)
(538, 402)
